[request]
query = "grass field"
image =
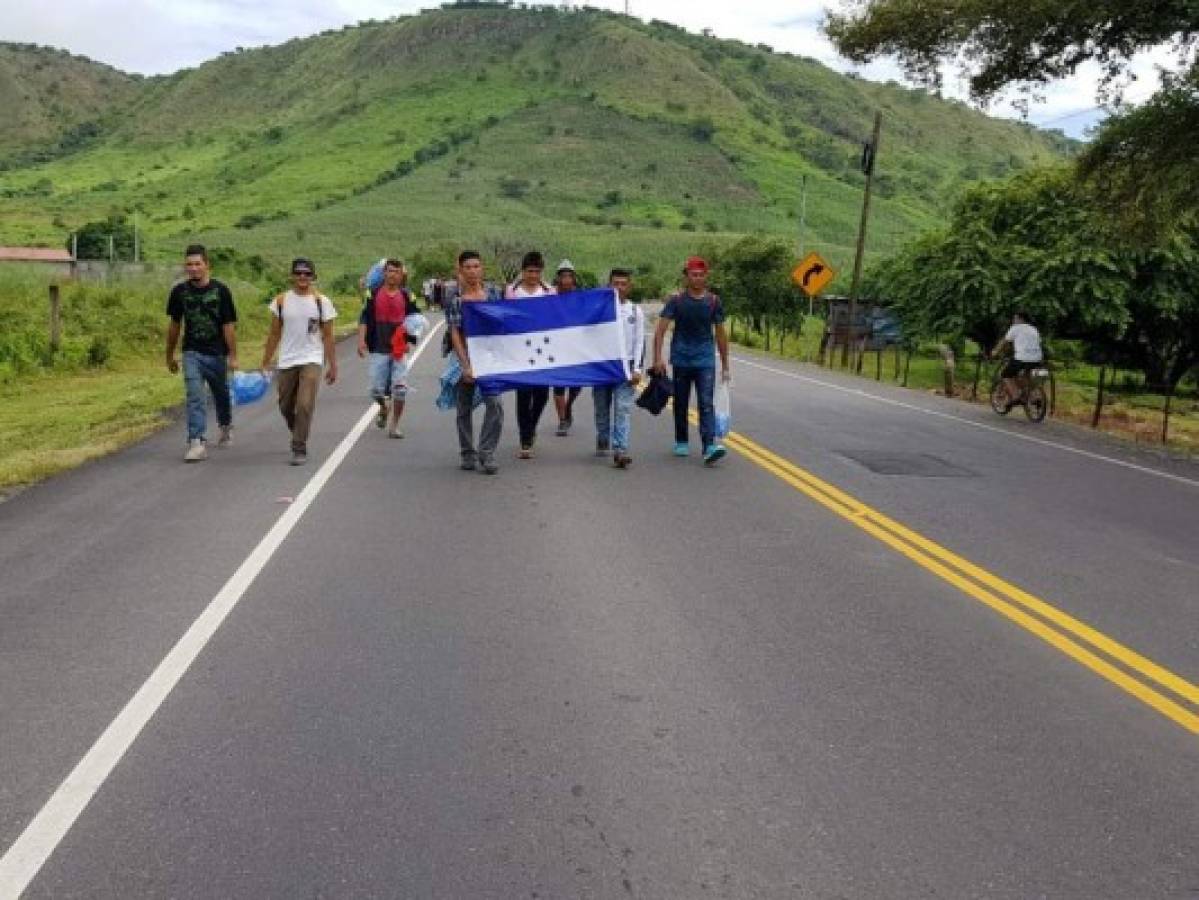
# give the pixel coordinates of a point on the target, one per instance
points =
(1129, 411)
(108, 385)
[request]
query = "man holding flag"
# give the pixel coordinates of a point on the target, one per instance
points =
(473, 292)
(528, 343)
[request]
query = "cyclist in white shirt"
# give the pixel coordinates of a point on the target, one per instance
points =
(1025, 342)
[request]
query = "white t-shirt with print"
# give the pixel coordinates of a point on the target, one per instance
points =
(301, 342)
(1027, 342)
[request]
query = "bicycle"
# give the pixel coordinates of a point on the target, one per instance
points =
(1032, 394)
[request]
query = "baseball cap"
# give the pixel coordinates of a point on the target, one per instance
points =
(565, 266)
(695, 263)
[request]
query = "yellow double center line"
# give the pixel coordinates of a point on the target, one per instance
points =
(1169, 694)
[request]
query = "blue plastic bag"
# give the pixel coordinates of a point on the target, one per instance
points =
(248, 387)
(374, 277)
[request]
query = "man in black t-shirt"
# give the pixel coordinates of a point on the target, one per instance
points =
(202, 308)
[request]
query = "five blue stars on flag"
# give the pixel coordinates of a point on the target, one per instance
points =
(540, 350)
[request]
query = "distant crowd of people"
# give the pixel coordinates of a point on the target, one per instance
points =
(201, 310)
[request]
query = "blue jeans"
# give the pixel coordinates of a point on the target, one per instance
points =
(389, 377)
(199, 368)
(613, 415)
(705, 386)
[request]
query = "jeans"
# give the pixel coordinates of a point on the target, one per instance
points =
(297, 400)
(613, 415)
(388, 377)
(705, 386)
(493, 424)
(530, 402)
(199, 368)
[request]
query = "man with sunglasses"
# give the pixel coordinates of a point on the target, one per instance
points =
(302, 330)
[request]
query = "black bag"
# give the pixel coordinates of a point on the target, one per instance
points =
(656, 394)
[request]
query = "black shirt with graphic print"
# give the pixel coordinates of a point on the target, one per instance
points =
(203, 311)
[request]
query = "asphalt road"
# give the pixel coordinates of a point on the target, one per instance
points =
(570, 681)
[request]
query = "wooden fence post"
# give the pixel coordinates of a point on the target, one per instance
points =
(1166, 414)
(55, 318)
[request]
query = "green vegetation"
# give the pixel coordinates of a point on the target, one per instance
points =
(375, 138)
(1038, 244)
(583, 133)
(1141, 163)
(107, 385)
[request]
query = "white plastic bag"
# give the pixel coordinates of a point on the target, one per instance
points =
(723, 402)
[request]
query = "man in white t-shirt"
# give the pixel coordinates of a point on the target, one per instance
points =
(302, 330)
(1025, 341)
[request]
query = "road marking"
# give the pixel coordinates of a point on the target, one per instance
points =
(25, 858)
(858, 392)
(1054, 627)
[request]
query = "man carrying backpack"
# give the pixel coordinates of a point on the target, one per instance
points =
(302, 330)
(380, 334)
(699, 334)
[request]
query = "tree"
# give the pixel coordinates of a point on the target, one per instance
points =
(92, 238)
(1139, 163)
(753, 277)
(1030, 43)
(1038, 243)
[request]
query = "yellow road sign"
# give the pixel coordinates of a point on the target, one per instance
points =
(813, 274)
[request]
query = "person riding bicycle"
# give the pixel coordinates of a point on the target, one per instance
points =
(1025, 342)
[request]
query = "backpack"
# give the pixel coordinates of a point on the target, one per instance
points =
(320, 307)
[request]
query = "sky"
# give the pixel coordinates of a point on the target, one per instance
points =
(160, 36)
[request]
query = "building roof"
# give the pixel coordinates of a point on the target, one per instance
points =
(34, 254)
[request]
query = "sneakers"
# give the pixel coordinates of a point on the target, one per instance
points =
(602, 448)
(381, 418)
(299, 456)
(468, 464)
(226, 436)
(682, 449)
(714, 454)
(621, 460)
(563, 428)
(488, 466)
(196, 451)
(525, 451)
(395, 433)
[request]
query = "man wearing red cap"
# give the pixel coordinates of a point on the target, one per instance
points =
(699, 333)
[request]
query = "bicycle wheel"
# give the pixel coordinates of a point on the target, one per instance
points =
(1036, 404)
(999, 401)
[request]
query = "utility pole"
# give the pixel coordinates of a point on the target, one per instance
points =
(803, 216)
(869, 155)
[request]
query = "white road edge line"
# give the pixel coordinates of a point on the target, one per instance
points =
(858, 392)
(25, 858)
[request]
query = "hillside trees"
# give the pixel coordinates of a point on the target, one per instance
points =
(1038, 243)
(93, 238)
(1142, 153)
(753, 279)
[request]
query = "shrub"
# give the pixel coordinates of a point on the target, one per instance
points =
(98, 351)
(702, 129)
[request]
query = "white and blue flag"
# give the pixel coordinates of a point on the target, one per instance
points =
(566, 340)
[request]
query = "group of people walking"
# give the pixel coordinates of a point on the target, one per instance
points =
(202, 310)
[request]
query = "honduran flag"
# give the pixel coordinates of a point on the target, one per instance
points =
(559, 340)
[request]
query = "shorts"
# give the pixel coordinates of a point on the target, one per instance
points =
(389, 377)
(1015, 366)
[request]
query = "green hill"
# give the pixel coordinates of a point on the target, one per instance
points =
(592, 134)
(54, 102)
